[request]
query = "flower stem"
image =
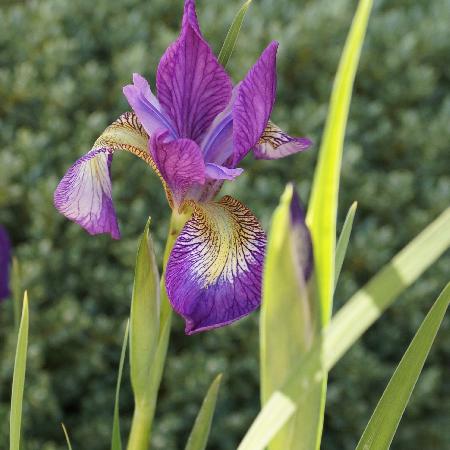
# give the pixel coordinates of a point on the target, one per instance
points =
(139, 438)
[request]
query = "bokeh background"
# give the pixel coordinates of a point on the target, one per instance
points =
(62, 66)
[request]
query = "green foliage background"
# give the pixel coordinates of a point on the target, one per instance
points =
(62, 66)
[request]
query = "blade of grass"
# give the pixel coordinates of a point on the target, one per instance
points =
(341, 247)
(20, 365)
(383, 424)
(200, 432)
(116, 440)
(269, 422)
(365, 307)
(232, 35)
(69, 445)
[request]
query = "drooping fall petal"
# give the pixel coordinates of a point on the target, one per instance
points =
(275, 143)
(180, 163)
(214, 272)
(254, 103)
(5, 260)
(192, 86)
(84, 193)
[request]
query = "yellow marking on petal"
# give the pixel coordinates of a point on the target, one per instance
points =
(226, 234)
(127, 134)
(273, 136)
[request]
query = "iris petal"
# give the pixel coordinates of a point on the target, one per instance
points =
(146, 106)
(5, 259)
(254, 103)
(214, 272)
(192, 86)
(275, 143)
(216, 172)
(180, 163)
(84, 194)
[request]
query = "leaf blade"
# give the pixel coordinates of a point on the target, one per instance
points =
(232, 35)
(383, 424)
(344, 238)
(200, 432)
(20, 364)
(116, 439)
(277, 411)
(66, 435)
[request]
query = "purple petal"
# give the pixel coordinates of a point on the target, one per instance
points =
(180, 163)
(214, 272)
(301, 238)
(254, 103)
(5, 260)
(216, 172)
(147, 107)
(275, 143)
(192, 86)
(84, 194)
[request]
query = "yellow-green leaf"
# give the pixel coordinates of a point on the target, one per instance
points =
(382, 425)
(232, 35)
(20, 365)
(286, 321)
(277, 411)
(66, 435)
(200, 432)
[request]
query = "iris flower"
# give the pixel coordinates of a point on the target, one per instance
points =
(193, 133)
(5, 259)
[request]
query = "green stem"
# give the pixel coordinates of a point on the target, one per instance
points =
(139, 438)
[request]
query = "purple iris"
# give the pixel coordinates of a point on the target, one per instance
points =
(194, 134)
(5, 260)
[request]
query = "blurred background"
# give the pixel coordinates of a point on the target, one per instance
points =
(62, 66)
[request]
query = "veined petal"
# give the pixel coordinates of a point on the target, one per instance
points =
(5, 260)
(180, 163)
(214, 272)
(275, 143)
(192, 86)
(84, 194)
(254, 103)
(216, 172)
(147, 107)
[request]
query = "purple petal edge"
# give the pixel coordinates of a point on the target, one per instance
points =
(5, 261)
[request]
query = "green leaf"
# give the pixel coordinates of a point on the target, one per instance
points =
(144, 317)
(383, 424)
(363, 309)
(366, 306)
(16, 287)
(200, 432)
(69, 445)
(20, 365)
(232, 35)
(116, 440)
(286, 320)
(277, 411)
(341, 247)
(324, 197)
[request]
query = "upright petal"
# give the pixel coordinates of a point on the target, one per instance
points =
(192, 86)
(275, 143)
(147, 107)
(180, 163)
(84, 194)
(5, 260)
(254, 103)
(214, 272)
